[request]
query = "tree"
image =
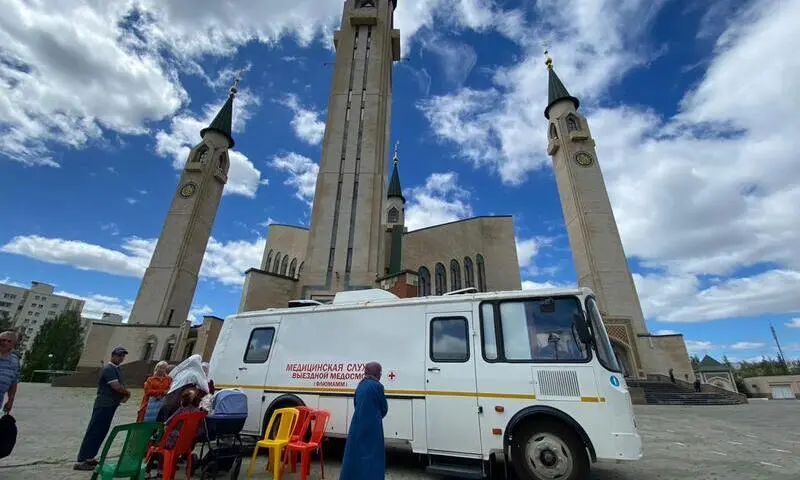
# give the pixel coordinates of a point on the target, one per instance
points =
(61, 337)
(6, 324)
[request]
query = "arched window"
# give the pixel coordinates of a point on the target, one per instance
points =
(149, 349)
(441, 279)
(394, 215)
(223, 162)
(277, 265)
(469, 273)
(300, 269)
(268, 262)
(455, 274)
(553, 131)
(169, 349)
(293, 267)
(573, 124)
(424, 282)
(481, 273)
(284, 264)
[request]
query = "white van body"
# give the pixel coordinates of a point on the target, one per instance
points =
(465, 402)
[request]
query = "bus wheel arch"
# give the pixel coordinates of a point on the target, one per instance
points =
(283, 401)
(522, 426)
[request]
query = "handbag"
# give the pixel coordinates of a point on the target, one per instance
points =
(8, 435)
(153, 406)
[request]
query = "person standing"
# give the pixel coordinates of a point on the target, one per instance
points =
(365, 453)
(155, 387)
(111, 392)
(9, 370)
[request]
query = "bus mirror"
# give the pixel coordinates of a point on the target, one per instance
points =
(584, 334)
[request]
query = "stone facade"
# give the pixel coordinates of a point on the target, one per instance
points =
(149, 342)
(285, 251)
(263, 290)
(766, 387)
(345, 243)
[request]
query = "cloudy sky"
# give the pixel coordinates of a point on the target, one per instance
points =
(693, 106)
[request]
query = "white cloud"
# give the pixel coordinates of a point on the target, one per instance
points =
(681, 298)
(440, 200)
(302, 174)
(546, 285)
(665, 332)
(747, 345)
(97, 304)
(688, 196)
(131, 200)
(699, 346)
(243, 177)
(224, 262)
(793, 323)
(73, 69)
(112, 228)
(196, 313)
(8, 281)
(306, 123)
(69, 71)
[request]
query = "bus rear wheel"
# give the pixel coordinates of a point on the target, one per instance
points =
(548, 451)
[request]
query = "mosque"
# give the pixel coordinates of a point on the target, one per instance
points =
(357, 238)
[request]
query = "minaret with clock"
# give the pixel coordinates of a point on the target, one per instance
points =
(169, 283)
(594, 239)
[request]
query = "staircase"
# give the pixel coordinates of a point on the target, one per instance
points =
(660, 392)
(133, 374)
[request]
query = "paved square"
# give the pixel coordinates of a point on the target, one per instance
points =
(756, 441)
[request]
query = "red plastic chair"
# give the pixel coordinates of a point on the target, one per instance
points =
(300, 428)
(187, 425)
(319, 419)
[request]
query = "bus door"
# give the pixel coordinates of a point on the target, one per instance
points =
(451, 403)
(251, 371)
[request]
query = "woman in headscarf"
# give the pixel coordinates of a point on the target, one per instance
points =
(187, 374)
(364, 453)
(211, 388)
(155, 387)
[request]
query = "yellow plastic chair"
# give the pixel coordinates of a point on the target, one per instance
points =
(286, 418)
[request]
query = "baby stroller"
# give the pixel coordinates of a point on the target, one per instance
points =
(223, 445)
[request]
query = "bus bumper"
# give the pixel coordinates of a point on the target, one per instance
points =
(628, 446)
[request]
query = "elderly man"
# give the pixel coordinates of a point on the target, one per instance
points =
(9, 369)
(111, 392)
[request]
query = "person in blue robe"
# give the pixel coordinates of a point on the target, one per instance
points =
(364, 453)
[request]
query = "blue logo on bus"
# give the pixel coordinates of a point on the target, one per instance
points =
(614, 381)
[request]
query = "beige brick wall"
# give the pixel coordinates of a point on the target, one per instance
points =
(286, 240)
(103, 337)
(263, 290)
(761, 385)
(492, 237)
(660, 353)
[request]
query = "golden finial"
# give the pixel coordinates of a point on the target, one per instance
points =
(548, 59)
(396, 152)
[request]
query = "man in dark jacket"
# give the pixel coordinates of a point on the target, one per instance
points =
(111, 392)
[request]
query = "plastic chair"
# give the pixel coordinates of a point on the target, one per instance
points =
(320, 419)
(131, 462)
(186, 424)
(301, 427)
(286, 418)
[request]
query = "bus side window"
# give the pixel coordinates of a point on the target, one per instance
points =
(259, 345)
(488, 332)
(449, 339)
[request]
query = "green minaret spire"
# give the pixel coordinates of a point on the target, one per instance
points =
(556, 90)
(223, 122)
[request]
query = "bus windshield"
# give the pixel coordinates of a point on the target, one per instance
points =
(605, 354)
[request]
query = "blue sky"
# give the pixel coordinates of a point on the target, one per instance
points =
(692, 105)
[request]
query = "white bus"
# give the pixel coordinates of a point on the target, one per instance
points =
(528, 377)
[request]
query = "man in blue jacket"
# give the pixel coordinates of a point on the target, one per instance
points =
(364, 453)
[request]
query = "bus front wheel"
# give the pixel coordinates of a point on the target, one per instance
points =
(548, 450)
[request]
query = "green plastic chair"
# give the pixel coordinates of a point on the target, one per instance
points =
(131, 462)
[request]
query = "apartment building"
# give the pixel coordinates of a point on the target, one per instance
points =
(29, 308)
